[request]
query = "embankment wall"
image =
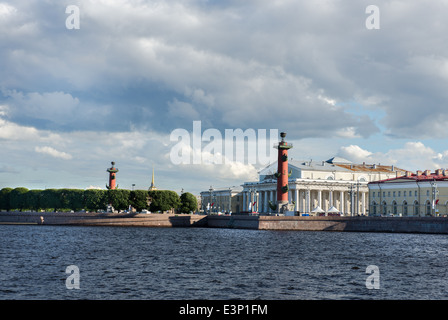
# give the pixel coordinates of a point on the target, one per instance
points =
(437, 225)
(358, 224)
(103, 219)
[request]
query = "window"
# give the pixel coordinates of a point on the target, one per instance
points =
(415, 193)
(384, 193)
(399, 193)
(428, 207)
(404, 193)
(394, 194)
(394, 207)
(416, 211)
(374, 208)
(405, 208)
(388, 193)
(373, 194)
(427, 193)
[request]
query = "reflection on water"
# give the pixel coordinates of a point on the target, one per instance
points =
(196, 263)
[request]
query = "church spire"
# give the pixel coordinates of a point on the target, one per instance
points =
(153, 186)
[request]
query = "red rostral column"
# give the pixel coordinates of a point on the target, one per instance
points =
(282, 172)
(112, 171)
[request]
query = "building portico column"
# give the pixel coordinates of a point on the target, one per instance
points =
(363, 210)
(330, 198)
(263, 208)
(319, 198)
(258, 199)
(296, 199)
(308, 201)
(341, 204)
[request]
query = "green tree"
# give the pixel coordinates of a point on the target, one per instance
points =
(64, 198)
(118, 198)
(139, 199)
(4, 199)
(188, 202)
(163, 200)
(76, 200)
(17, 198)
(32, 199)
(51, 200)
(95, 199)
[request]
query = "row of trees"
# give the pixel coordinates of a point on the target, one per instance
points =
(94, 200)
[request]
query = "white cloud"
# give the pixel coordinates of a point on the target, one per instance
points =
(355, 153)
(349, 133)
(211, 163)
(10, 132)
(53, 152)
(414, 155)
(13, 131)
(93, 187)
(6, 9)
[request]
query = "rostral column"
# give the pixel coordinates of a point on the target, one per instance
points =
(112, 171)
(282, 173)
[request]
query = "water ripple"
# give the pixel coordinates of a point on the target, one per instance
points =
(165, 263)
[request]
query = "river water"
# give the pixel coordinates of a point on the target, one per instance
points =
(200, 263)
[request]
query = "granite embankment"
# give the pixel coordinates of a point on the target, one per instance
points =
(103, 219)
(355, 224)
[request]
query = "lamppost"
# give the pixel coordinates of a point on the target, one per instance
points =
(230, 200)
(357, 198)
(253, 198)
(434, 197)
(210, 207)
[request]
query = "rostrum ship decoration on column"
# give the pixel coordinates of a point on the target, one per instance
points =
(112, 181)
(282, 175)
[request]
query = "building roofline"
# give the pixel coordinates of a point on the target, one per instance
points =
(341, 167)
(438, 175)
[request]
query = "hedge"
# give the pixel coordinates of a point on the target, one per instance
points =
(90, 200)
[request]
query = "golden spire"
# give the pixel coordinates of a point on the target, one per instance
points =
(153, 186)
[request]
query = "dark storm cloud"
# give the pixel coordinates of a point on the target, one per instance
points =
(251, 64)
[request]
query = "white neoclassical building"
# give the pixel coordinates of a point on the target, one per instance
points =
(318, 187)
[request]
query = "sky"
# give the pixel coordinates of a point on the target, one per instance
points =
(113, 85)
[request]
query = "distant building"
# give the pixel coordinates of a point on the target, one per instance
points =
(318, 187)
(222, 200)
(199, 202)
(423, 193)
